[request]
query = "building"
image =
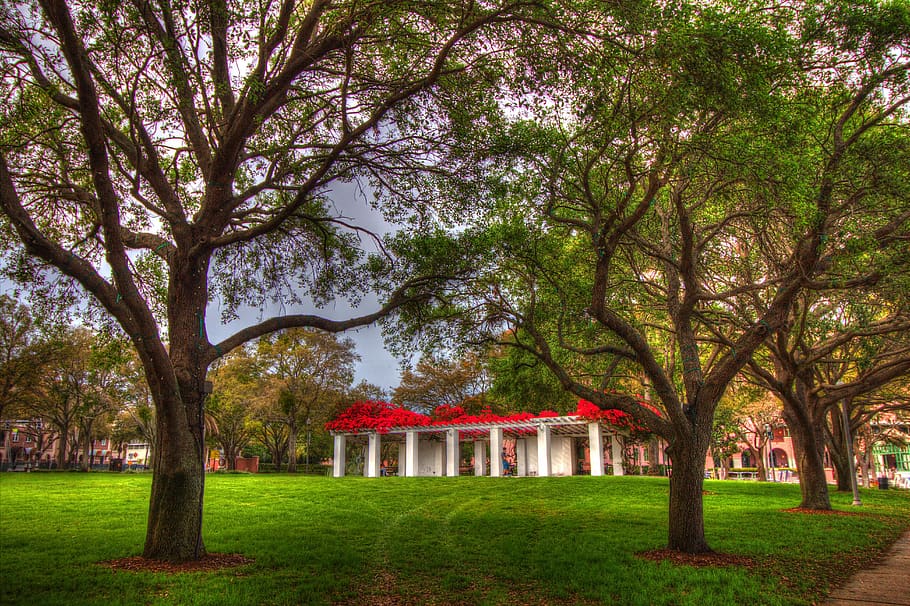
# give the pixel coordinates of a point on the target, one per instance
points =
(27, 444)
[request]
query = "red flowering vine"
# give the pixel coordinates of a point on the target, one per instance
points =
(382, 416)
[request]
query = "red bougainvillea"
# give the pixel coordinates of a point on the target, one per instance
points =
(382, 416)
(617, 418)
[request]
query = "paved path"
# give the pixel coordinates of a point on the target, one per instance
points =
(886, 583)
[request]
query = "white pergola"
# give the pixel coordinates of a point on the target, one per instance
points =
(541, 447)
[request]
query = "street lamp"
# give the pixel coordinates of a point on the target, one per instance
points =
(851, 464)
(308, 444)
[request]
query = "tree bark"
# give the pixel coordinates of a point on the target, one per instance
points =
(175, 511)
(808, 444)
(687, 520)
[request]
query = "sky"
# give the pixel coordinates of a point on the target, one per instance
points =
(377, 365)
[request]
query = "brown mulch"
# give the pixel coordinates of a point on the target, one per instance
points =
(697, 560)
(210, 562)
(820, 512)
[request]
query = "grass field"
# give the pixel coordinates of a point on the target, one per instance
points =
(431, 541)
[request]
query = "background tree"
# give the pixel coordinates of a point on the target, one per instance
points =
(65, 385)
(456, 381)
(312, 371)
(519, 381)
(234, 402)
(363, 391)
(835, 347)
(135, 422)
(104, 394)
(862, 411)
(163, 155)
(21, 356)
(755, 409)
(271, 431)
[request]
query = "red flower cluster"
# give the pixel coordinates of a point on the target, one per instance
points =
(617, 418)
(382, 416)
(445, 412)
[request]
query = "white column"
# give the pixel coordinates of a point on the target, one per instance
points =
(338, 461)
(496, 452)
(453, 452)
(543, 450)
(596, 449)
(616, 442)
(402, 457)
(521, 456)
(371, 465)
(480, 458)
(410, 455)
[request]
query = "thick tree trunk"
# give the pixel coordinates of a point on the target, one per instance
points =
(687, 521)
(808, 443)
(175, 511)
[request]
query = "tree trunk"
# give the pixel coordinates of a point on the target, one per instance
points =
(761, 469)
(61, 451)
(87, 443)
(175, 511)
(865, 466)
(276, 458)
(841, 471)
(808, 444)
(837, 448)
(687, 520)
(292, 447)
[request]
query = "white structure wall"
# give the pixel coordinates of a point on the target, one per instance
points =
(530, 455)
(562, 459)
(431, 458)
(562, 456)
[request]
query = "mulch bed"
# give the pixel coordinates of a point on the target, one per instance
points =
(210, 562)
(697, 560)
(820, 512)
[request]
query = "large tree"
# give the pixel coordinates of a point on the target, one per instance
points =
(159, 155)
(628, 227)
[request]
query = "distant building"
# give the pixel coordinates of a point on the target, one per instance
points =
(27, 444)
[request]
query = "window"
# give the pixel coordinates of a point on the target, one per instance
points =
(104, 441)
(15, 435)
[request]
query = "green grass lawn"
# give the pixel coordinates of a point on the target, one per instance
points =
(431, 541)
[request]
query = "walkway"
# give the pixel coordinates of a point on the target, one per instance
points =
(886, 583)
